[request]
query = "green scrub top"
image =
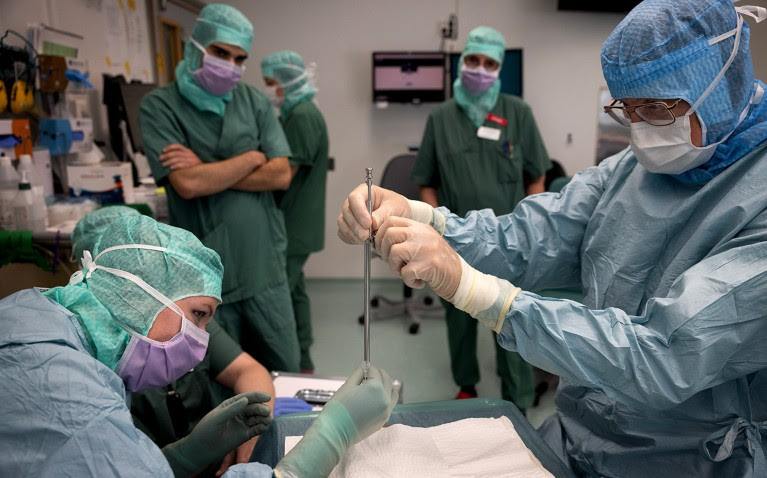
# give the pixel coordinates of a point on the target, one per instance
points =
(472, 173)
(150, 409)
(245, 228)
(304, 202)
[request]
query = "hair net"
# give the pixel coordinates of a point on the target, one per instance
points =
(89, 229)
(101, 299)
(661, 50)
(287, 67)
(485, 41)
(216, 23)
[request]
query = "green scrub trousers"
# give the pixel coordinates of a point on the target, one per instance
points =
(303, 205)
(472, 173)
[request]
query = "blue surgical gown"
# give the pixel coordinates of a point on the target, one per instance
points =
(63, 413)
(664, 364)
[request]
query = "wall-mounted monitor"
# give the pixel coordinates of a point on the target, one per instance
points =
(511, 71)
(613, 6)
(408, 77)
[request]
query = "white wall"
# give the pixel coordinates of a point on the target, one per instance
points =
(561, 77)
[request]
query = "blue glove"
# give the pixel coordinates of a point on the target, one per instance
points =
(287, 405)
(357, 410)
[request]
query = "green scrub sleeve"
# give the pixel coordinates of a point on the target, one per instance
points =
(274, 144)
(159, 127)
(223, 349)
(537, 160)
(425, 171)
(304, 139)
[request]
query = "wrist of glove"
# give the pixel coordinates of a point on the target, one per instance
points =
(485, 297)
(424, 213)
(223, 429)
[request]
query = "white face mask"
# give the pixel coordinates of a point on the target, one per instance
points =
(271, 92)
(669, 149)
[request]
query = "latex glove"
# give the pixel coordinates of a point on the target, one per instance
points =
(223, 429)
(354, 220)
(419, 254)
(357, 410)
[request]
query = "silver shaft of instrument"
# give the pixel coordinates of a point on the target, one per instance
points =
(368, 252)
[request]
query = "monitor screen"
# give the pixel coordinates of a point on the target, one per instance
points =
(511, 71)
(614, 6)
(408, 77)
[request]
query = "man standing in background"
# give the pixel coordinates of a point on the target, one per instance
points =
(475, 152)
(217, 147)
(291, 87)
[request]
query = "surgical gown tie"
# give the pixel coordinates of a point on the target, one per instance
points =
(725, 437)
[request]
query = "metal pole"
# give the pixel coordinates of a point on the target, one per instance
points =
(368, 247)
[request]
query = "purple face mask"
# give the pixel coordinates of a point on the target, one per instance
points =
(216, 76)
(147, 363)
(477, 80)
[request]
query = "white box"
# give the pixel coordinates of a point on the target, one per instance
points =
(99, 181)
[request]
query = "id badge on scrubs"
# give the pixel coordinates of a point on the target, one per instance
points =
(486, 132)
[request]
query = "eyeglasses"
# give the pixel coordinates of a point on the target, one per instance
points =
(473, 61)
(657, 113)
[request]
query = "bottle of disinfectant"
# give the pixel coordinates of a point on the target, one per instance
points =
(26, 208)
(26, 164)
(9, 187)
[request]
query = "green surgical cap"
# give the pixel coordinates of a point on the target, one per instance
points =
(224, 24)
(277, 65)
(101, 301)
(486, 41)
(287, 67)
(89, 229)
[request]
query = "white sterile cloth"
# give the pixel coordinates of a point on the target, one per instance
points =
(474, 447)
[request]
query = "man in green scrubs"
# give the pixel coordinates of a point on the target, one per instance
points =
(217, 147)
(291, 88)
(476, 151)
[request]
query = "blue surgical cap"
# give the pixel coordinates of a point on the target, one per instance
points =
(661, 50)
(486, 41)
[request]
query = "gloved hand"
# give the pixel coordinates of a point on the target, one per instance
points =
(354, 220)
(224, 428)
(357, 410)
(418, 254)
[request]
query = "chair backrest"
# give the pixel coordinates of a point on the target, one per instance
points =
(396, 176)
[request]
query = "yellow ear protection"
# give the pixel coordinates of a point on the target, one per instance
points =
(3, 97)
(22, 97)
(22, 94)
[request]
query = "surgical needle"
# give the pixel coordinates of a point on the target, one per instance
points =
(368, 246)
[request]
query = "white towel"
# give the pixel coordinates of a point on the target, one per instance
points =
(474, 447)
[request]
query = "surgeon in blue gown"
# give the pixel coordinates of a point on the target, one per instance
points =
(664, 363)
(132, 319)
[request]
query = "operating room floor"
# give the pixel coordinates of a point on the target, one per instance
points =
(420, 361)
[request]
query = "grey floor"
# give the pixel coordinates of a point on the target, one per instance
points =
(420, 361)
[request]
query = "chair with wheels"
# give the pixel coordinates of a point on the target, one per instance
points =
(396, 177)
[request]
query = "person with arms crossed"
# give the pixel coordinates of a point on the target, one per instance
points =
(216, 145)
